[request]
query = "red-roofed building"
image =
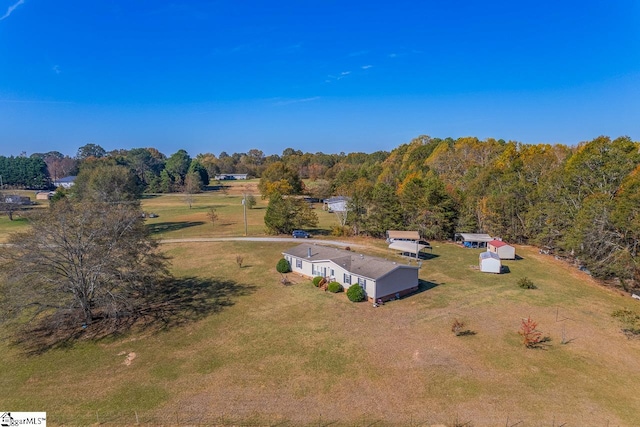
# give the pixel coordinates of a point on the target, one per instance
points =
(504, 250)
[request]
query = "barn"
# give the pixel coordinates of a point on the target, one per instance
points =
(490, 263)
(504, 250)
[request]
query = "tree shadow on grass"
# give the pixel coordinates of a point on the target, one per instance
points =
(171, 303)
(165, 227)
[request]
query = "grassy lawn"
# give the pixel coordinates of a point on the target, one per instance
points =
(294, 355)
(19, 217)
(176, 220)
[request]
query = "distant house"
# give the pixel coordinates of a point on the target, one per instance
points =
(229, 176)
(473, 240)
(490, 263)
(66, 182)
(504, 250)
(380, 278)
(14, 199)
(337, 204)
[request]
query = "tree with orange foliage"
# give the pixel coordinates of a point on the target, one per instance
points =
(531, 336)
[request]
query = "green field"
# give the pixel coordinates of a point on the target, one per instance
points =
(268, 354)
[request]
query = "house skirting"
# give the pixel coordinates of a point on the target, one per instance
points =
(395, 294)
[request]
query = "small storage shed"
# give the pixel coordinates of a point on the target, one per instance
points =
(490, 263)
(44, 195)
(504, 250)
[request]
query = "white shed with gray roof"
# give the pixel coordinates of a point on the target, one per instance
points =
(380, 278)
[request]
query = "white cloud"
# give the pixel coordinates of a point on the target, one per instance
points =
(331, 78)
(56, 69)
(366, 67)
(10, 9)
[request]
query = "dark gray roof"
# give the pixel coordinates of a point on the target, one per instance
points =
(66, 179)
(359, 264)
(475, 237)
(337, 199)
(493, 255)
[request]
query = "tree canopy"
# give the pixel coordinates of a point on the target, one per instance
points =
(84, 260)
(542, 194)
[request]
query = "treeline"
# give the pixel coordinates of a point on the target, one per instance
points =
(581, 201)
(23, 172)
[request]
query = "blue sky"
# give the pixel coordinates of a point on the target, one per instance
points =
(331, 76)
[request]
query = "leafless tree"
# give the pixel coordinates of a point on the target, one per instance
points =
(213, 216)
(90, 260)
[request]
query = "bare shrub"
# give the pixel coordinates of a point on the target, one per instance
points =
(458, 328)
(531, 336)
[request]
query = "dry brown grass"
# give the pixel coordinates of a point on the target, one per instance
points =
(297, 356)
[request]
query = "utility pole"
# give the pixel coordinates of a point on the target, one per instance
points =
(244, 209)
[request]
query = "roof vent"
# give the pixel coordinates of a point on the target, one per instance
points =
(308, 252)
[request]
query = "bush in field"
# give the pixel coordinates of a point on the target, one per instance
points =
(531, 336)
(630, 322)
(340, 231)
(283, 266)
(355, 293)
(335, 287)
(458, 328)
(526, 283)
(316, 281)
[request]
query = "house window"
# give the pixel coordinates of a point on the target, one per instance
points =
(362, 282)
(347, 279)
(298, 263)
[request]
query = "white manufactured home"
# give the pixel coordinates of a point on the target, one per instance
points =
(381, 279)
